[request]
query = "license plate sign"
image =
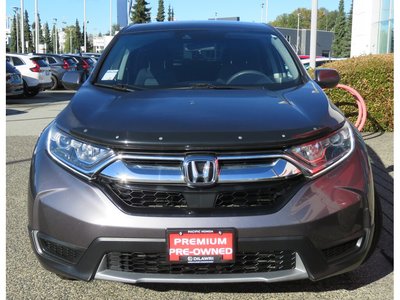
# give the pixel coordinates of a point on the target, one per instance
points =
(201, 246)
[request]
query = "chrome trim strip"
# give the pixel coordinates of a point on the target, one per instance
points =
(142, 173)
(299, 272)
(280, 168)
(123, 172)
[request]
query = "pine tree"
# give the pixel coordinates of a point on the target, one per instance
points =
(338, 46)
(47, 38)
(140, 12)
(77, 37)
(41, 38)
(161, 11)
(13, 43)
(347, 37)
(169, 13)
(173, 15)
(114, 29)
(28, 32)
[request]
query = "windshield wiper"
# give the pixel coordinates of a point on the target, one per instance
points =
(120, 87)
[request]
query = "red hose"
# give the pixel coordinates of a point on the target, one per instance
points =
(362, 108)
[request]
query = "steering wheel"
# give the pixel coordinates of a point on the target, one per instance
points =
(249, 72)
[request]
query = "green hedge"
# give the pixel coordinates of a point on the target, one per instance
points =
(372, 76)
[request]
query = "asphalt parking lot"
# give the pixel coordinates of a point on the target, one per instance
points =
(26, 279)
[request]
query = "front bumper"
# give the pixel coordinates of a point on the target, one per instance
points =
(328, 212)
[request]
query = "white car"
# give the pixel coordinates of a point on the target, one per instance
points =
(36, 73)
(319, 61)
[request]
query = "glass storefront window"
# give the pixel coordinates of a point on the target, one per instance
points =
(385, 32)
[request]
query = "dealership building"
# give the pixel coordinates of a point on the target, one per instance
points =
(372, 31)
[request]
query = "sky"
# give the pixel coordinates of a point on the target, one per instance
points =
(98, 11)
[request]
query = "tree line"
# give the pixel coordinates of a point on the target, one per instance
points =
(74, 36)
(141, 12)
(336, 21)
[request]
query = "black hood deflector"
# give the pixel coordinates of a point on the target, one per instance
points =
(199, 119)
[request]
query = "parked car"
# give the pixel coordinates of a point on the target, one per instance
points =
(84, 64)
(319, 61)
(14, 83)
(59, 65)
(35, 72)
(201, 152)
(94, 56)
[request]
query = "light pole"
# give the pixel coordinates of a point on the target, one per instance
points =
(129, 10)
(84, 26)
(298, 33)
(22, 27)
(65, 24)
(70, 40)
(325, 14)
(37, 29)
(313, 38)
(55, 48)
(262, 12)
(16, 9)
(110, 16)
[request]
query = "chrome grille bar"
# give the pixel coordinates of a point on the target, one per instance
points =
(233, 169)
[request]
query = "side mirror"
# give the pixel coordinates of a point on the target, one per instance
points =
(73, 80)
(327, 78)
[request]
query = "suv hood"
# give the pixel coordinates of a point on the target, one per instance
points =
(199, 119)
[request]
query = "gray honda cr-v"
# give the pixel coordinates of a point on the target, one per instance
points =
(201, 152)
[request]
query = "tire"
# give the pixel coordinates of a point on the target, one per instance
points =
(54, 82)
(377, 228)
(28, 93)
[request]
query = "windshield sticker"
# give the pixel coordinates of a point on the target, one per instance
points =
(110, 75)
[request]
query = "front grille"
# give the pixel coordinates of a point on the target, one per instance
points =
(60, 251)
(222, 199)
(156, 263)
(337, 251)
(266, 197)
(147, 198)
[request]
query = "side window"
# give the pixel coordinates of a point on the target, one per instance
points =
(17, 61)
(51, 60)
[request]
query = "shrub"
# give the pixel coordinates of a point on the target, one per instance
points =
(372, 77)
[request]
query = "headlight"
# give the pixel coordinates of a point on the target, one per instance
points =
(320, 154)
(79, 155)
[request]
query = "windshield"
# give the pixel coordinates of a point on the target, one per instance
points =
(197, 58)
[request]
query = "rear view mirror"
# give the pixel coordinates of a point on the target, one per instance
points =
(73, 80)
(327, 78)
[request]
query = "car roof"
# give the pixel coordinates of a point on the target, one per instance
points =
(26, 56)
(206, 25)
(49, 54)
